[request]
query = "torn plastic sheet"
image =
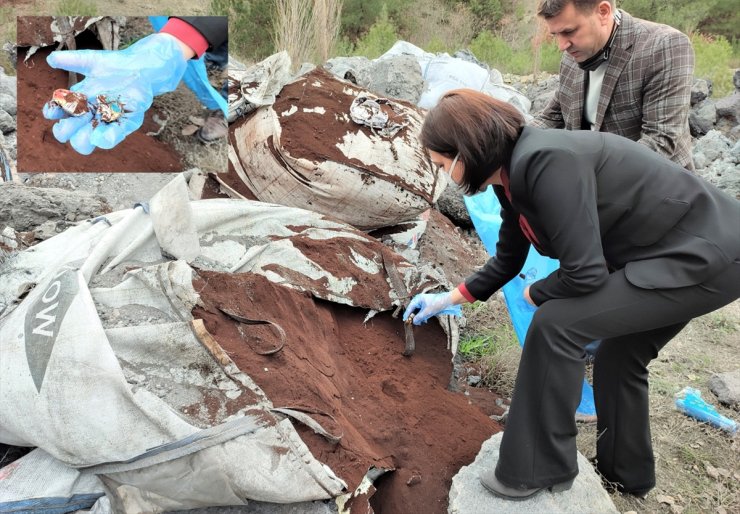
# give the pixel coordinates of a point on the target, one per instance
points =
(83, 339)
(347, 171)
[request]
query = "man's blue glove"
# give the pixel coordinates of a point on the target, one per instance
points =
(133, 76)
(429, 305)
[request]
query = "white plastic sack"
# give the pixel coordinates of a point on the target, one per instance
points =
(443, 73)
(258, 85)
(103, 366)
(37, 482)
(305, 151)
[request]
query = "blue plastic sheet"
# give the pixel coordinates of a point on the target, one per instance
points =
(196, 77)
(485, 212)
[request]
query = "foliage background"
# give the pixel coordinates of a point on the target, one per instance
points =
(505, 34)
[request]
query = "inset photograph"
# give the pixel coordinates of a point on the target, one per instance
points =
(122, 94)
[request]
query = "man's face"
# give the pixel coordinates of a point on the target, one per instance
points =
(581, 34)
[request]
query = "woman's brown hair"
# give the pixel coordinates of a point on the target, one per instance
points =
(483, 129)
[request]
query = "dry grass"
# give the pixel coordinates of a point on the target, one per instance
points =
(438, 26)
(293, 30)
(327, 18)
(489, 336)
(308, 31)
(697, 466)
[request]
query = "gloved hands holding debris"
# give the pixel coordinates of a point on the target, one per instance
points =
(429, 305)
(119, 87)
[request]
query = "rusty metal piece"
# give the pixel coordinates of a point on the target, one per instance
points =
(110, 110)
(74, 104)
(402, 293)
(248, 321)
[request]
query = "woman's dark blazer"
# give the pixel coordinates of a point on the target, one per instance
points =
(599, 202)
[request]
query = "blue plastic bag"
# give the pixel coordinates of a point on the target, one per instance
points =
(485, 212)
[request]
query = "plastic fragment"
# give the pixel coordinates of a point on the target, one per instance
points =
(690, 402)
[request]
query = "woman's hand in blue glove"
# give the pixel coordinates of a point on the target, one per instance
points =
(133, 76)
(429, 305)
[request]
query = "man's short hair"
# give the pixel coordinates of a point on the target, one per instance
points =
(551, 8)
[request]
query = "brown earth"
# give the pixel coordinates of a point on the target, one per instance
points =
(393, 411)
(39, 151)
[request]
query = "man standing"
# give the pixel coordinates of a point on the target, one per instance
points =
(622, 75)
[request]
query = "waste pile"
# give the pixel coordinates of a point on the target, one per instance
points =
(190, 353)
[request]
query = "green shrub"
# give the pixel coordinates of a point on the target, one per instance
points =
(497, 53)
(75, 8)
(550, 57)
(379, 38)
(250, 25)
(714, 58)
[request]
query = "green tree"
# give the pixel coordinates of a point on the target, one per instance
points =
(685, 15)
(250, 24)
(722, 20)
(379, 38)
(359, 15)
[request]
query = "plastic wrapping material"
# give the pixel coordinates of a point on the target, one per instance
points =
(690, 402)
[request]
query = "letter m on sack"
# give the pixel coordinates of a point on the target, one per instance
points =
(43, 319)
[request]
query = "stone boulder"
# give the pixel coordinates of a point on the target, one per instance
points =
(468, 496)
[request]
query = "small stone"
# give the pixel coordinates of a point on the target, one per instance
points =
(711, 471)
(474, 380)
(664, 498)
(676, 509)
(727, 387)
(721, 510)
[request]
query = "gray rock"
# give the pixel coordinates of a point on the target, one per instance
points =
(700, 91)
(713, 146)
(736, 80)
(26, 208)
(702, 118)
(467, 55)
(727, 387)
(347, 68)
(541, 92)
(10, 145)
(8, 85)
(7, 122)
(8, 104)
(474, 380)
(10, 49)
(397, 76)
(451, 204)
(728, 111)
(468, 496)
(118, 190)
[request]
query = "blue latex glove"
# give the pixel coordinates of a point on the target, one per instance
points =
(133, 76)
(429, 305)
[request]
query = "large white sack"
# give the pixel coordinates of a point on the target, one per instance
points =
(443, 73)
(340, 168)
(101, 362)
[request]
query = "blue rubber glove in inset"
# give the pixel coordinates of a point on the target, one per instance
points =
(429, 305)
(133, 77)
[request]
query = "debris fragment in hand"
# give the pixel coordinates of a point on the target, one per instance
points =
(110, 110)
(74, 104)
